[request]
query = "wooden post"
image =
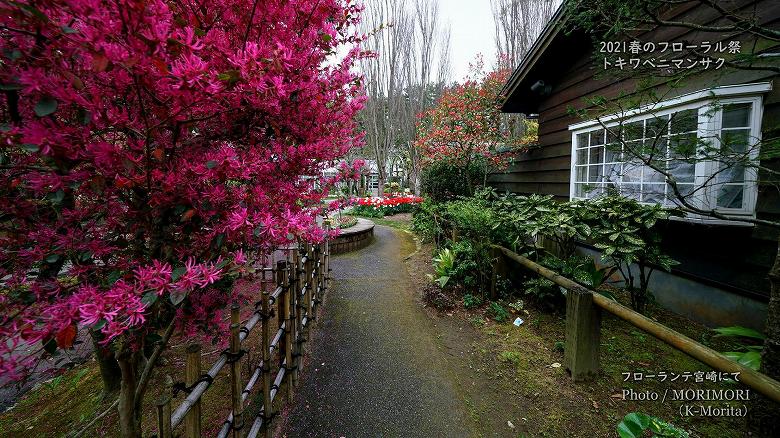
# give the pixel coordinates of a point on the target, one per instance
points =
(281, 311)
(285, 344)
(164, 429)
(298, 305)
(192, 372)
(583, 327)
(295, 313)
(311, 290)
(266, 342)
(321, 270)
(327, 259)
(499, 269)
(235, 371)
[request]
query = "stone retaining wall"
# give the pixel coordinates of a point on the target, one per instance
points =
(354, 237)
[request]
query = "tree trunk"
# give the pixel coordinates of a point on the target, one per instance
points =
(764, 414)
(380, 191)
(129, 407)
(110, 372)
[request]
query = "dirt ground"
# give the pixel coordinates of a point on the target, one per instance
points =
(515, 385)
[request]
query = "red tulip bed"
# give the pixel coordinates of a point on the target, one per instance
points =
(386, 205)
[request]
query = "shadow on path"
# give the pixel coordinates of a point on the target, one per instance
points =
(374, 368)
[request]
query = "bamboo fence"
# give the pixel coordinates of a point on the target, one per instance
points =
(301, 280)
(583, 328)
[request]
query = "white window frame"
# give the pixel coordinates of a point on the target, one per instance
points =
(709, 125)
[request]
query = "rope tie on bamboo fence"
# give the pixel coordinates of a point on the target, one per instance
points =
(182, 387)
(234, 357)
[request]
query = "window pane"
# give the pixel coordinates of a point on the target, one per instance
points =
(582, 156)
(632, 172)
(732, 174)
(612, 154)
(612, 172)
(594, 174)
(656, 127)
(655, 147)
(683, 146)
(730, 196)
(582, 140)
(597, 137)
(581, 174)
(632, 191)
(597, 155)
(735, 141)
(650, 175)
(613, 135)
(686, 191)
(633, 130)
(685, 121)
(736, 115)
(653, 193)
(594, 190)
(683, 172)
(579, 192)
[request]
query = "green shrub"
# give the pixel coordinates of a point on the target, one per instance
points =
(624, 230)
(428, 221)
(545, 293)
(442, 181)
(471, 301)
(498, 312)
(444, 266)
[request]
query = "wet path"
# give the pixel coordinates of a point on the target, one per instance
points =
(374, 368)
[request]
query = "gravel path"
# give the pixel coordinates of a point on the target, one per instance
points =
(374, 367)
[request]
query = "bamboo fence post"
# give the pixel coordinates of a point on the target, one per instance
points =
(310, 290)
(321, 271)
(300, 306)
(164, 429)
(295, 288)
(192, 372)
(235, 370)
(281, 310)
(266, 342)
(326, 267)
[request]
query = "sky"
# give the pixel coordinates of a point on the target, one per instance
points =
(472, 32)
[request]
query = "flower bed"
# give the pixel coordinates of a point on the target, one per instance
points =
(386, 205)
(346, 222)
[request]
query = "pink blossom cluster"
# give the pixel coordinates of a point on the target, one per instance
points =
(148, 148)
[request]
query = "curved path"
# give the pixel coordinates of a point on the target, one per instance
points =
(374, 367)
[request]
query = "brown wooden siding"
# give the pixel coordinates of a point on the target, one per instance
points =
(546, 168)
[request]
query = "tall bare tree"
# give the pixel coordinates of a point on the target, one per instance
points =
(412, 61)
(517, 24)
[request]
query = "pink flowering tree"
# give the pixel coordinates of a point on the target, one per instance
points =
(148, 150)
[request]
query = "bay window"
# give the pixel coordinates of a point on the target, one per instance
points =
(701, 141)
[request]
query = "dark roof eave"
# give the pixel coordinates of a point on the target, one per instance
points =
(529, 60)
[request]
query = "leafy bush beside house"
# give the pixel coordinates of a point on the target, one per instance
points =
(547, 231)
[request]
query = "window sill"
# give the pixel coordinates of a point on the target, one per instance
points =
(703, 220)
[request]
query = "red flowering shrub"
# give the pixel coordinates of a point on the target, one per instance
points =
(148, 148)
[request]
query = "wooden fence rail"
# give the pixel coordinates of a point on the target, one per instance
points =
(301, 281)
(583, 327)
